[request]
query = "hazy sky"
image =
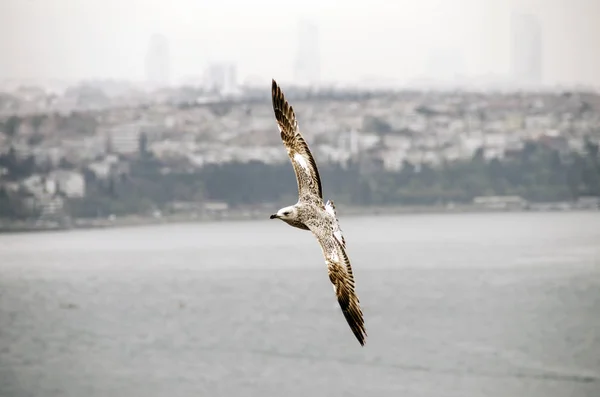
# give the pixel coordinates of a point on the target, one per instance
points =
(80, 39)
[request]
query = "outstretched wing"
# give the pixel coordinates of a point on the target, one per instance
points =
(340, 275)
(307, 174)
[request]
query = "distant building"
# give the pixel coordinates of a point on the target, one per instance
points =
(50, 206)
(158, 61)
(70, 183)
(500, 202)
(526, 49)
(38, 185)
(44, 206)
(349, 141)
(221, 77)
(124, 138)
(48, 156)
(307, 65)
(215, 208)
(21, 149)
(100, 169)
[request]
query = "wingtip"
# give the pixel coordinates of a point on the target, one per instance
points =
(275, 90)
(279, 102)
(362, 337)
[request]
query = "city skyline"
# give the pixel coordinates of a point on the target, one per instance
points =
(381, 42)
(526, 49)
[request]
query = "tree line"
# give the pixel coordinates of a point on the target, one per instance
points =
(536, 173)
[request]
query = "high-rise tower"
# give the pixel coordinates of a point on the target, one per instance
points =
(308, 63)
(526, 49)
(158, 61)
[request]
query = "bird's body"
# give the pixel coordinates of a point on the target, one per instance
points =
(311, 213)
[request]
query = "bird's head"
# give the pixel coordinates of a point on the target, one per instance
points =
(286, 213)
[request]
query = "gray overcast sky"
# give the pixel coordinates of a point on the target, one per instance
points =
(80, 39)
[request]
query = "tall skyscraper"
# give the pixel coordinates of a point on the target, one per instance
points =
(158, 61)
(221, 77)
(526, 49)
(307, 66)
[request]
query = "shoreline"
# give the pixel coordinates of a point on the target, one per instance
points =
(32, 226)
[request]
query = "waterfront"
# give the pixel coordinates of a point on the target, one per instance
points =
(477, 304)
(41, 225)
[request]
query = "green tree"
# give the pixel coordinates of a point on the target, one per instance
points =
(11, 126)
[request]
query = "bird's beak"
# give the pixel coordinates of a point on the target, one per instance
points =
(273, 216)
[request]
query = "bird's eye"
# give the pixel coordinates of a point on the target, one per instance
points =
(286, 213)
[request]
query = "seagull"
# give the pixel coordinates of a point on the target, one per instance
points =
(309, 213)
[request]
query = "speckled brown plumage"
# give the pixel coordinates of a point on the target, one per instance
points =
(310, 213)
(309, 185)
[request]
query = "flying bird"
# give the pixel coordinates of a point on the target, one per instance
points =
(310, 213)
